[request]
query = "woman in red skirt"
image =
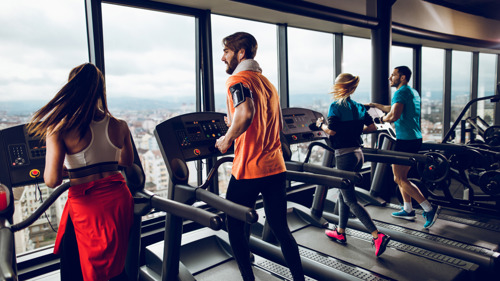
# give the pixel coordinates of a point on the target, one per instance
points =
(84, 138)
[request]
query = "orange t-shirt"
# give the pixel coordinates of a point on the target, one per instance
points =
(257, 152)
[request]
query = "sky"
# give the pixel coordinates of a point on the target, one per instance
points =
(151, 54)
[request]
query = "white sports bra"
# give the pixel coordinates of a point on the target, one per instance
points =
(99, 151)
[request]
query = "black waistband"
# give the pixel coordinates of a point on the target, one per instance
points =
(93, 169)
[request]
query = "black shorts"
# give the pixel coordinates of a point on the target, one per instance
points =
(409, 146)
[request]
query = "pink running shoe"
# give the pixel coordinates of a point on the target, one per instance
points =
(335, 236)
(381, 243)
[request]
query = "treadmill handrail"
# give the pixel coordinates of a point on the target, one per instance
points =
(313, 144)
(391, 159)
(189, 212)
(45, 205)
(311, 178)
(214, 169)
(7, 255)
(231, 209)
(354, 177)
(412, 157)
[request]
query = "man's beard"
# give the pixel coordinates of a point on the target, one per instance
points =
(231, 66)
(396, 84)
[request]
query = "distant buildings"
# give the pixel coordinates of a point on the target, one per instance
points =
(142, 124)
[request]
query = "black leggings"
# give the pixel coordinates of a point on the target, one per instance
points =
(69, 257)
(245, 192)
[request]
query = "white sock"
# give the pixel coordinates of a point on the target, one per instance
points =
(426, 206)
(407, 207)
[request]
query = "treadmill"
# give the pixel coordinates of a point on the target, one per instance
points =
(401, 261)
(23, 161)
(205, 254)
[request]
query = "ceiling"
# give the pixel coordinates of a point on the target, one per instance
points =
(246, 10)
(485, 8)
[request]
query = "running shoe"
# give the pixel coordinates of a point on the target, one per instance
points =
(405, 215)
(381, 243)
(335, 236)
(430, 217)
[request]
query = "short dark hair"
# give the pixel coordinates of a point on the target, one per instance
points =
(404, 70)
(242, 40)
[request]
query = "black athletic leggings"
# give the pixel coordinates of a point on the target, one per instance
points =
(245, 192)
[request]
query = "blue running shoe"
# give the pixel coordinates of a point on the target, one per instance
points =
(430, 217)
(405, 215)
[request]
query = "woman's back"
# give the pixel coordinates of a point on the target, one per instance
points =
(106, 142)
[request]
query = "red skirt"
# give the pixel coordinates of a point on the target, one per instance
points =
(102, 215)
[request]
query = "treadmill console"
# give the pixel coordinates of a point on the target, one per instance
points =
(375, 112)
(191, 136)
(23, 156)
(300, 125)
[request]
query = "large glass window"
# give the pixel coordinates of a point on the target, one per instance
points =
(486, 86)
(432, 94)
(460, 87)
(39, 45)
(267, 55)
(310, 64)
(311, 77)
(357, 60)
(150, 76)
(401, 56)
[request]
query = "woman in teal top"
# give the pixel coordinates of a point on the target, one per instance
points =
(347, 120)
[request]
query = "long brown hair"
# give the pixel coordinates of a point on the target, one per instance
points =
(73, 107)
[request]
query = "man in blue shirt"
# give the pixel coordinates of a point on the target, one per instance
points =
(404, 111)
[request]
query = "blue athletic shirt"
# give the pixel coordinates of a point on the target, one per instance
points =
(347, 119)
(408, 125)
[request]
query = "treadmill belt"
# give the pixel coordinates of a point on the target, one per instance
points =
(229, 271)
(393, 264)
(449, 232)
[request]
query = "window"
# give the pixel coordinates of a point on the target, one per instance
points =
(460, 87)
(39, 45)
(267, 56)
(311, 78)
(486, 86)
(357, 60)
(310, 62)
(150, 76)
(401, 56)
(432, 94)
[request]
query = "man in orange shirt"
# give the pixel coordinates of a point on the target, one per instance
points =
(255, 122)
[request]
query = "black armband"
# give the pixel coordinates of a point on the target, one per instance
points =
(239, 93)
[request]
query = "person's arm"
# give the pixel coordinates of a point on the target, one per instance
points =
(384, 108)
(394, 114)
(127, 153)
(321, 125)
(228, 119)
(370, 128)
(240, 121)
(54, 159)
